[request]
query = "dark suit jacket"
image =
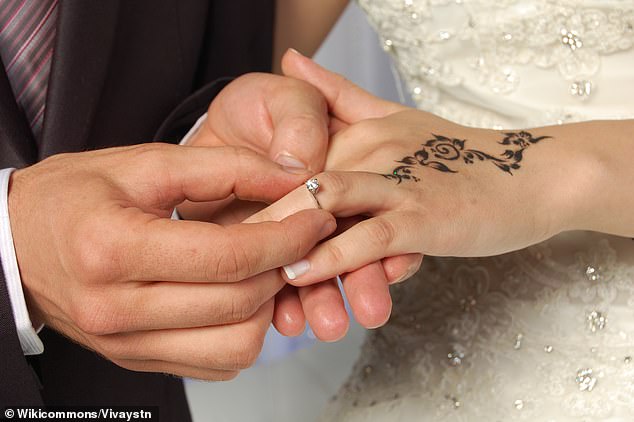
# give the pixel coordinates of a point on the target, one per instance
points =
(123, 72)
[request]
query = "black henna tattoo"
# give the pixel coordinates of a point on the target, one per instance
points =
(439, 152)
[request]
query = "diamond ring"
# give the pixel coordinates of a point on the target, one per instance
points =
(313, 187)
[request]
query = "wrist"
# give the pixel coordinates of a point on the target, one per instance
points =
(605, 182)
(575, 185)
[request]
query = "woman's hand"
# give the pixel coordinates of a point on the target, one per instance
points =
(436, 188)
(429, 186)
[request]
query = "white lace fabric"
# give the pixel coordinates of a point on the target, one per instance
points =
(543, 334)
(512, 63)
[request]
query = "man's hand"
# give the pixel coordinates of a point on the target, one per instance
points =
(281, 118)
(102, 263)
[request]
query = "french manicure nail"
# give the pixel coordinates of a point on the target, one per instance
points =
(290, 164)
(297, 269)
(410, 272)
(295, 51)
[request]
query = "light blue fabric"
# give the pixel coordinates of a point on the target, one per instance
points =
(277, 347)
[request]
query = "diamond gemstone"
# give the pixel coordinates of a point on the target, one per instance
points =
(585, 380)
(518, 341)
(596, 321)
(571, 40)
(581, 89)
(313, 186)
(455, 357)
(592, 274)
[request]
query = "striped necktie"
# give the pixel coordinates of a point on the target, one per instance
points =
(27, 34)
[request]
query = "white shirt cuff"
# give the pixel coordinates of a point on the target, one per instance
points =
(186, 138)
(29, 340)
(193, 130)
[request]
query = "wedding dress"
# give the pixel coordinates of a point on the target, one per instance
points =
(543, 334)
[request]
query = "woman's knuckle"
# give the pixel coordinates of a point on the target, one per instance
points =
(334, 183)
(335, 253)
(381, 232)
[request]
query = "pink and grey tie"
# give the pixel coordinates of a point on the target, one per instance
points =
(27, 35)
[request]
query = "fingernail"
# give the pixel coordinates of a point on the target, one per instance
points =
(297, 269)
(290, 164)
(295, 51)
(410, 272)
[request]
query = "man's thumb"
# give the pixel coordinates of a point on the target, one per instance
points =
(346, 101)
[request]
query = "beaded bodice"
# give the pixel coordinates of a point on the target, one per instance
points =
(544, 334)
(511, 63)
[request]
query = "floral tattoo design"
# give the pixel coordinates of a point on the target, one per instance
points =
(438, 153)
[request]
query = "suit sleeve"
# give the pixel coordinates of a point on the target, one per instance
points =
(186, 114)
(19, 385)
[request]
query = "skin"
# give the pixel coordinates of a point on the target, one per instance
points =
(478, 210)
